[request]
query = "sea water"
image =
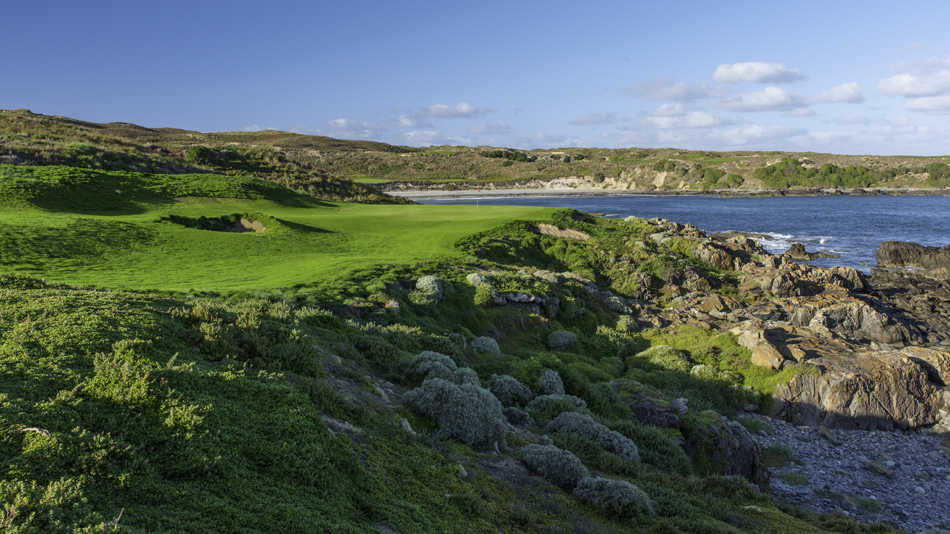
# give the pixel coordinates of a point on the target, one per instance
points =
(851, 227)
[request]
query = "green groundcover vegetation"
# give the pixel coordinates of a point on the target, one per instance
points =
(168, 366)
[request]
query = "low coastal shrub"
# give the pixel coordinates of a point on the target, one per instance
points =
(627, 323)
(555, 465)
(463, 411)
(547, 407)
(584, 425)
(485, 344)
(509, 391)
(431, 286)
(614, 496)
(654, 446)
(550, 382)
(561, 340)
(433, 364)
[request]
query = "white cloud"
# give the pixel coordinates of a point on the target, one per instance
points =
(753, 136)
(665, 89)
(543, 140)
(490, 128)
(595, 118)
(407, 122)
(849, 119)
(756, 71)
(846, 92)
(352, 129)
(460, 110)
(916, 84)
(674, 110)
(670, 116)
(696, 119)
(433, 137)
(800, 112)
(936, 62)
(252, 128)
(769, 99)
(938, 104)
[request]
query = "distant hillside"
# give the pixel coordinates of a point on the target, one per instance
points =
(336, 169)
(32, 139)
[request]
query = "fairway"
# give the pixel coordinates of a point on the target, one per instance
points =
(305, 241)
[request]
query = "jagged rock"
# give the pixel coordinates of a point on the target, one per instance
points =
(856, 320)
(715, 256)
(732, 448)
(869, 390)
(797, 252)
(935, 361)
(765, 355)
(896, 254)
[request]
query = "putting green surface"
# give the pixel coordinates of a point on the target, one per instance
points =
(305, 240)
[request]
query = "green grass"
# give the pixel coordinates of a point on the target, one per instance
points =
(363, 179)
(45, 232)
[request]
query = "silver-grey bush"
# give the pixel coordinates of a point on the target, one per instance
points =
(465, 411)
(618, 496)
(556, 465)
(561, 340)
(550, 382)
(485, 344)
(508, 390)
(584, 425)
(539, 402)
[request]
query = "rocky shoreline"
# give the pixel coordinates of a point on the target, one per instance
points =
(901, 477)
(407, 190)
(872, 363)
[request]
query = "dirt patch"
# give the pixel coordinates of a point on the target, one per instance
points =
(554, 231)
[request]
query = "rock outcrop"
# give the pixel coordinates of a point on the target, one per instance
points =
(933, 261)
(797, 252)
(867, 390)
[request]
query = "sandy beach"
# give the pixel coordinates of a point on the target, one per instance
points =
(470, 193)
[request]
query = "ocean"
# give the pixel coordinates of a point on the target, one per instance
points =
(852, 227)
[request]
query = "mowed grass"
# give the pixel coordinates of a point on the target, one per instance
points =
(125, 243)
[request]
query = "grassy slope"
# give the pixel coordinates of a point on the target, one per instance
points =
(173, 414)
(314, 240)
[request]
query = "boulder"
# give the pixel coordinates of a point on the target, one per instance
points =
(867, 390)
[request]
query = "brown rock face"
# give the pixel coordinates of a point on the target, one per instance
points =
(870, 390)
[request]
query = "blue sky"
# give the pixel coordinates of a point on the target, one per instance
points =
(846, 77)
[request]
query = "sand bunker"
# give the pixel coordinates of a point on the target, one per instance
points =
(554, 231)
(226, 223)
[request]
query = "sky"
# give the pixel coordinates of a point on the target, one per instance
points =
(845, 77)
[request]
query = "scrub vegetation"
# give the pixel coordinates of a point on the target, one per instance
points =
(361, 171)
(215, 352)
